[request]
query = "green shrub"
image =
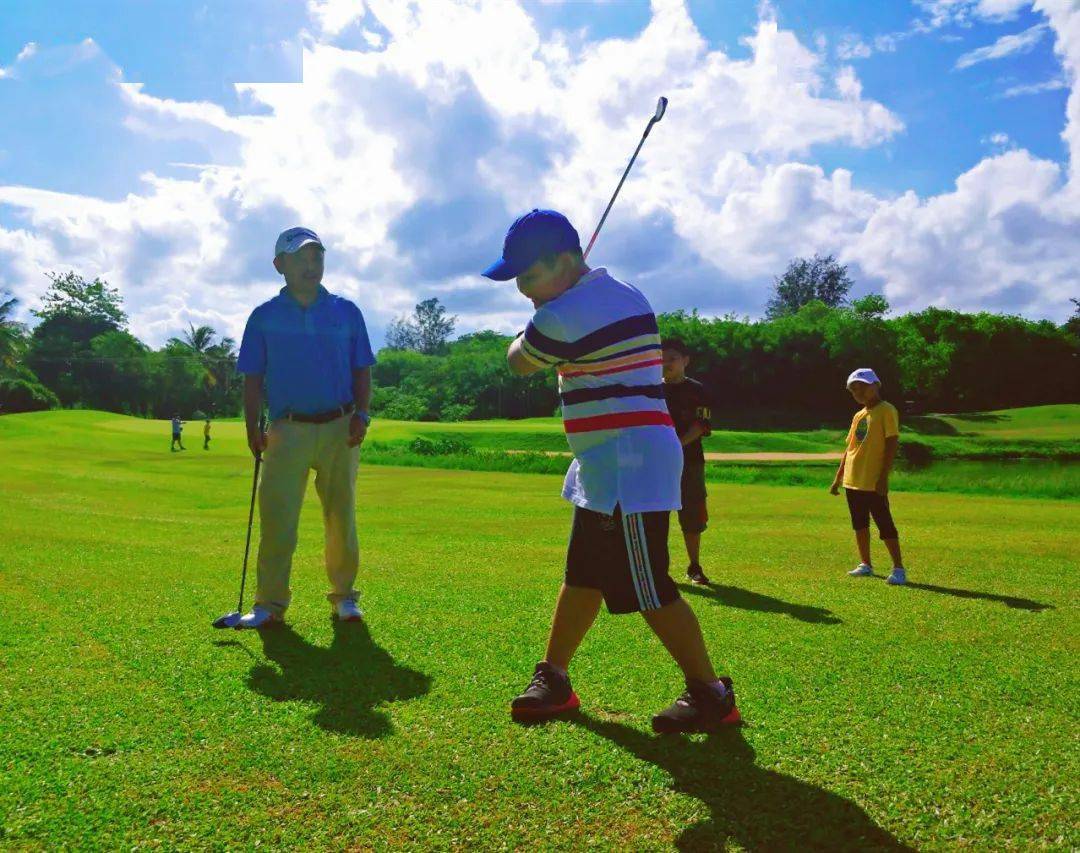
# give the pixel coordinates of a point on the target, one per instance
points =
(455, 412)
(23, 395)
(440, 446)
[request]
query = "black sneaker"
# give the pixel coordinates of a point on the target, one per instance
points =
(699, 709)
(548, 694)
(696, 575)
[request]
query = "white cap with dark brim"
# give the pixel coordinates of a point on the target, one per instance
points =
(294, 240)
(863, 374)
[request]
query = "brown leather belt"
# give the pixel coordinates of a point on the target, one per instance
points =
(322, 417)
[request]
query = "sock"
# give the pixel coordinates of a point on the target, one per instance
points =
(558, 669)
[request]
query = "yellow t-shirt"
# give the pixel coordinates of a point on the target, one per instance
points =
(206, 430)
(866, 445)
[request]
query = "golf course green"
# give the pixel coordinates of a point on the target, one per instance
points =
(942, 714)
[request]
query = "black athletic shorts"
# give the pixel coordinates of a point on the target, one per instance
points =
(694, 515)
(862, 505)
(623, 556)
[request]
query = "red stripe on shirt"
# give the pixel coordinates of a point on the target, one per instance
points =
(635, 366)
(618, 420)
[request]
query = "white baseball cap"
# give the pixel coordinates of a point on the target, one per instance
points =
(295, 239)
(863, 374)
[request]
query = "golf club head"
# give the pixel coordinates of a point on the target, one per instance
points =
(661, 108)
(229, 620)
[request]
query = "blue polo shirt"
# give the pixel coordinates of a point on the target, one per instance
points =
(307, 355)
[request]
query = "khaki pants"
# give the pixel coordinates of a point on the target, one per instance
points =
(292, 450)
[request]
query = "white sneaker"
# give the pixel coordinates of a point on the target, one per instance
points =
(259, 617)
(861, 571)
(347, 611)
(897, 577)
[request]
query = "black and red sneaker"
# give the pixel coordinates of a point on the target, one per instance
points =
(548, 695)
(702, 708)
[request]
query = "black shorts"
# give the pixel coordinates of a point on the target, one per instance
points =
(694, 515)
(862, 505)
(623, 556)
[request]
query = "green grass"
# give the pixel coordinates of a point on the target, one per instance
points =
(1036, 432)
(940, 715)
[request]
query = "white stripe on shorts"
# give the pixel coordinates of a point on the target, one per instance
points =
(637, 552)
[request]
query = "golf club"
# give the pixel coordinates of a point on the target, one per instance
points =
(661, 108)
(230, 620)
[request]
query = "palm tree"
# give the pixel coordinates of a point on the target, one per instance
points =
(11, 332)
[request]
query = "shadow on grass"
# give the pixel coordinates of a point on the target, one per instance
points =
(745, 599)
(978, 417)
(755, 808)
(926, 425)
(1007, 600)
(349, 679)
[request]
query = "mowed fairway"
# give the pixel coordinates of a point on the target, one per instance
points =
(939, 715)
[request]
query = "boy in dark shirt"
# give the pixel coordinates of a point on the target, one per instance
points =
(688, 404)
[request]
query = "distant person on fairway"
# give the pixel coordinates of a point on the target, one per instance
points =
(206, 435)
(688, 403)
(864, 472)
(177, 428)
(311, 350)
(602, 338)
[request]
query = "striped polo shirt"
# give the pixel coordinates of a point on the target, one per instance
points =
(602, 337)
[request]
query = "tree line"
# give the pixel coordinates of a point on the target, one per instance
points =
(791, 364)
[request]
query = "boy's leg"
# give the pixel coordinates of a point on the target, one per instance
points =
(859, 509)
(286, 461)
(336, 467)
(575, 612)
(678, 629)
(882, 514)
(693, 547)
(862, 540)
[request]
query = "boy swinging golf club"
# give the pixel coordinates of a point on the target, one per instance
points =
(311, 350)
(601, 336)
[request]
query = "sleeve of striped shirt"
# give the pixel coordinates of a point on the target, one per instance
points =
(544, 343)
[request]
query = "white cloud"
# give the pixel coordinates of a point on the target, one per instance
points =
(852, 47)
(1009, 45)
(999, 139)
(333, 16)
(964, 13)
(411, 160)
(1051, 85)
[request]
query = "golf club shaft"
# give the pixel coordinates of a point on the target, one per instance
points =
(247, 543)
(251, 515)
(615, 195)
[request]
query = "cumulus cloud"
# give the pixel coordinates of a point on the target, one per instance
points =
(411, 159)
(1008, 45)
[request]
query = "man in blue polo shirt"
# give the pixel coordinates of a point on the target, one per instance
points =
(310, 349)
(601, 337)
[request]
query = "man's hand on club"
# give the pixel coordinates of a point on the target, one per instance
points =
(257, 442)
(357, 431)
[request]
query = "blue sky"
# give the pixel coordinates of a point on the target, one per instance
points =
(921, 142)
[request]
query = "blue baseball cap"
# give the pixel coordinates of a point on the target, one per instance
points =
(531, 237)
(294, 240)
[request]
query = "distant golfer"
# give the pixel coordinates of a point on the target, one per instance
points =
(601, 336)
(864, 470)
(177, 429)
(311, 350)
(206, 435)
(688, 403)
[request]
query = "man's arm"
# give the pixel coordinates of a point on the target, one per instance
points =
(361, 388)
(519, 363)
(253, 400)
(892, 444)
